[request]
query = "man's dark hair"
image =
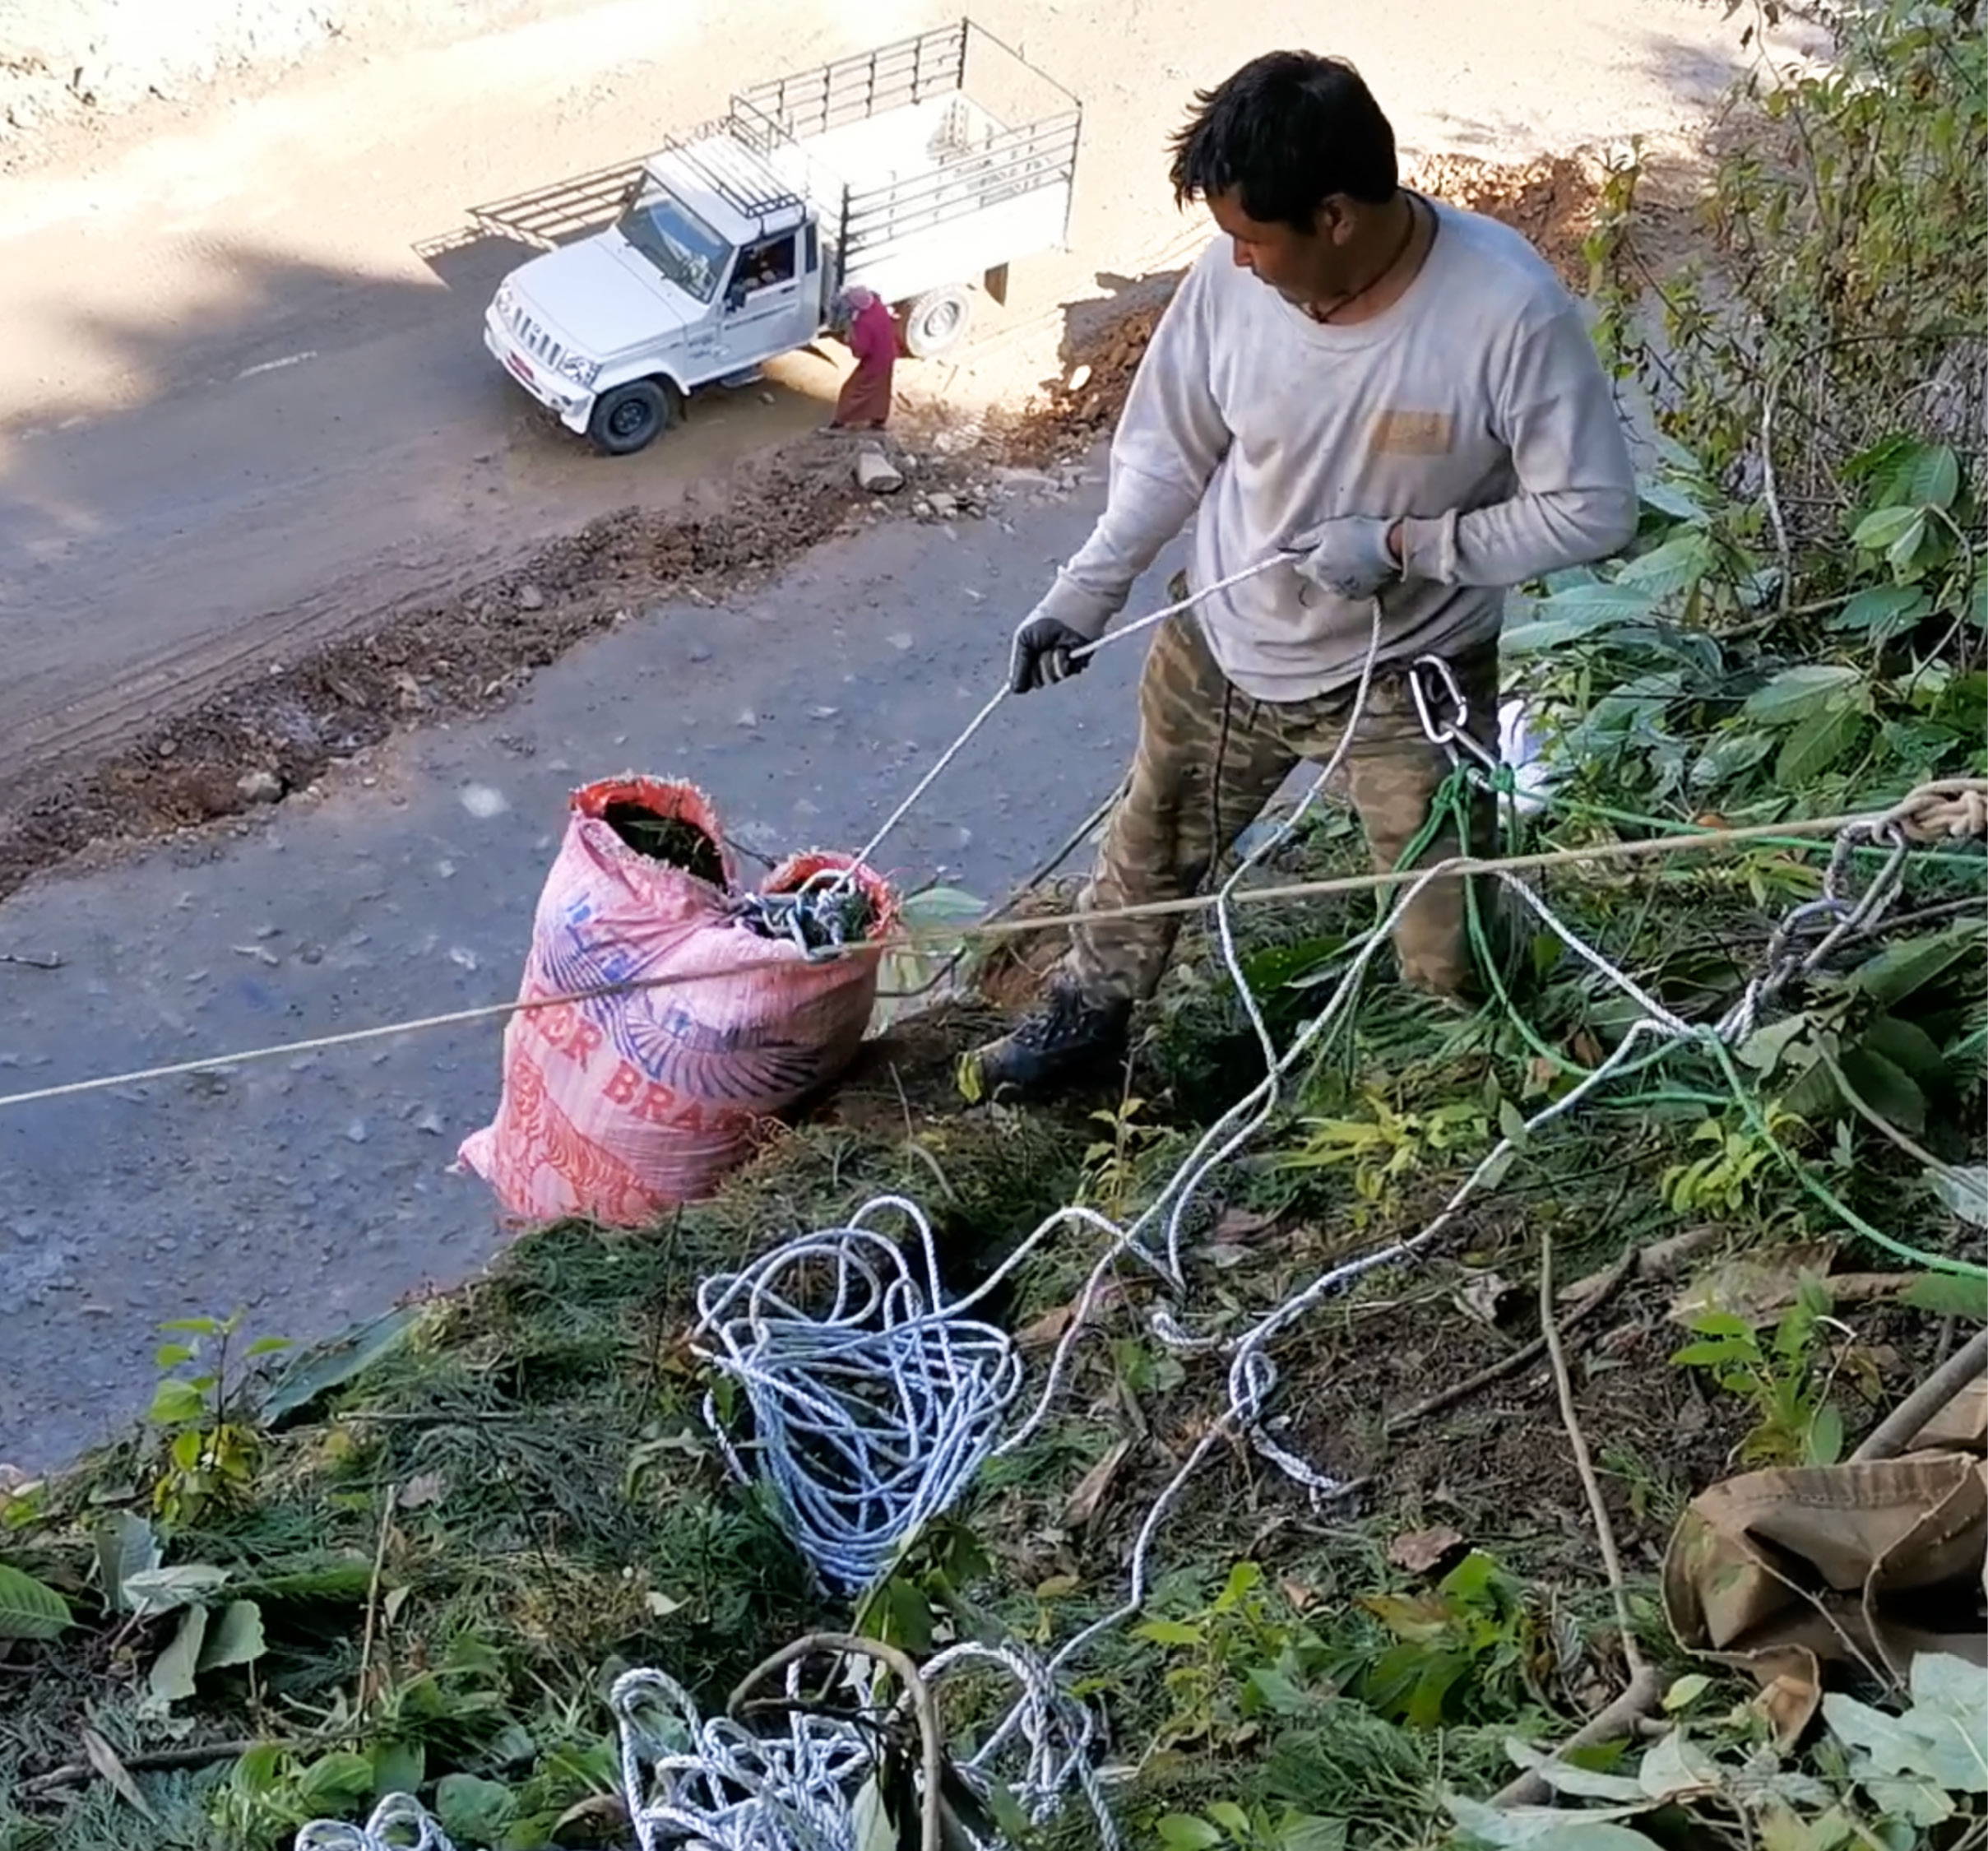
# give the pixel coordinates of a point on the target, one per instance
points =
(1283, 134)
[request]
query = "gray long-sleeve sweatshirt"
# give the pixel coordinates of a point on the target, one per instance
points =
(1473, 409)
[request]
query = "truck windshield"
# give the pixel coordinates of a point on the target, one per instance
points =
(677, 241)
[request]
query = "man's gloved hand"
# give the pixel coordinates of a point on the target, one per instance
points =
(1044, 653)
(1348, 557)
(1069, 618)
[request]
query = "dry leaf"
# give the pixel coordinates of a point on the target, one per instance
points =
(1057, 1586)
(1047, 1331)
(1422, 1551)
(1093, 1486)
(1754, 1285)
(1299, 1596)
(421, 1490)
(1482, 1294)
(1238, 1224)
(103, 1758)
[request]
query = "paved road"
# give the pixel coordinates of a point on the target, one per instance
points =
(314, 1189)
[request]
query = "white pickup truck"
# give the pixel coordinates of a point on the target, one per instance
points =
(733, 243)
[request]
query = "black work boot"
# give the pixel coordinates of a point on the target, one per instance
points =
(1065, 1035)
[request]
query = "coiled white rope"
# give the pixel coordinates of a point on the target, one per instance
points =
(715, 1784)
(400, 1822)
(873, 1403)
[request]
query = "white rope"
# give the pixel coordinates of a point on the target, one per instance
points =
(720, 1786)
(874, 1404)
(939, 765)
(400, 1822)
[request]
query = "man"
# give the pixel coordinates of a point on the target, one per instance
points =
(1400, 396)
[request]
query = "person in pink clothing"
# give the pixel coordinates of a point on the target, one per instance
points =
(865, 403)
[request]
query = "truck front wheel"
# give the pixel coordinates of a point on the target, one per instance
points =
(936, 320)
(630, 418)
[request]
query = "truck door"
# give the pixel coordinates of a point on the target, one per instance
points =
(772, 301)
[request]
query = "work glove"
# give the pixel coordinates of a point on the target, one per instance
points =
(1347, 557)
(1047, 641)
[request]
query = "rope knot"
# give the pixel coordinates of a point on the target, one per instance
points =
(1947, 809)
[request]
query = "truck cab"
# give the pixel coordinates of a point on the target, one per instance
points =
(713, 266)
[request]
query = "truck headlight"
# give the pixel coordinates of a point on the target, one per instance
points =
(505, 304)
(580, 369)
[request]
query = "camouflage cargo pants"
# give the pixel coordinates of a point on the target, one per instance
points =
(1210, 758)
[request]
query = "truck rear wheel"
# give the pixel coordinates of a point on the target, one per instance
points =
(630, 418)
(937, 320)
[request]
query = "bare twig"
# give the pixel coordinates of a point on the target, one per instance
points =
(917, 1693)
(30, 960)
(1600, 1289)
(1895, 1432)
(196, 1756)
(1644, 1684)
(373, 1597)
(1872, 1117)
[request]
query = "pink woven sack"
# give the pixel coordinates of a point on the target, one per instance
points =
(617, 1107)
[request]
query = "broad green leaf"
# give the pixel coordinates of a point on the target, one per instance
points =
(1917, 1802)
(1904, 549)
(160, 1590)
(1816, 745)
(1883, 612)
(1168, 1632)
(1680, 561)
(170, 1355)
(1950, 1705)
(1764, 1049)
(1580, 610)
(1708, 1355)
(1307, 1831)
(1675, 1766)
(1886, 1088)
(346, 1580)
(258, 1770)
(1730, 755)
(1899, 970)
(398, 1767)
(336, 1782)
(1796, 693)
(126, 1545)
(1880, 530)
(29, 1609)
(173, 1402)
(173, 1672)
(1686, 1691)
(1948, 1295)
(1908, 1046)
(1669, 498)
(193, 1327)
(1181, 1831)
(1230, 1817)
(1279, 1694)
(268, 1346)
(1931, 477)
(1544, 1828)
(1563, 1777)
(333, 1363)
(1826, 1436)
(234, 1638)
(471, 1811)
